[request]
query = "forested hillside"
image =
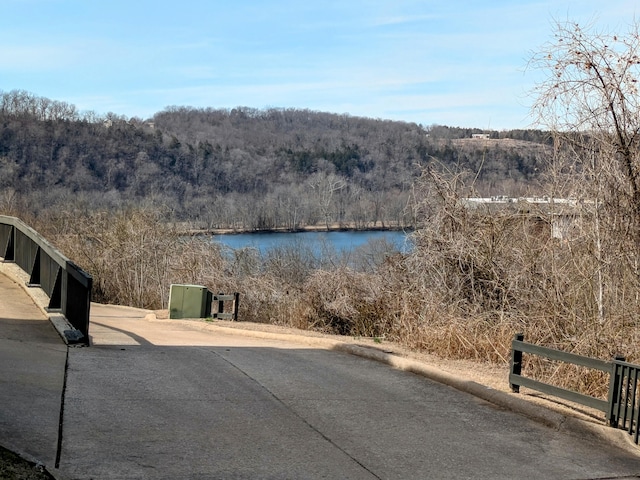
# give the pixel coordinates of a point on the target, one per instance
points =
(244, 168)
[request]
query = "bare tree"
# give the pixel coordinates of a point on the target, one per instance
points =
(325, 188)
(589, 100)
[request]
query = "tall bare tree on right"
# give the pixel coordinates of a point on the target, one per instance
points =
(589, 99)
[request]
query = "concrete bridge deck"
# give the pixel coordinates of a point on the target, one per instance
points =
(178, 399)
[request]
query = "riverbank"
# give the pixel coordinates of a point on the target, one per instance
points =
(307, 228)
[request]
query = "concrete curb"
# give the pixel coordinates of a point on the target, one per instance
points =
(513, 402)
(146, 313)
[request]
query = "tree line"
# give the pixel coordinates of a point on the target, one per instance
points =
(242, 168)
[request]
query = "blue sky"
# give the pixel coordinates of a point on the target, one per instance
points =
(458, 63)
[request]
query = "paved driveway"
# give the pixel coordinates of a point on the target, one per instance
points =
(162, 400)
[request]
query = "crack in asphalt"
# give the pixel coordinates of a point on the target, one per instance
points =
(300, 417)
(61, 417)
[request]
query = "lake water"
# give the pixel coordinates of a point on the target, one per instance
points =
(316, 241)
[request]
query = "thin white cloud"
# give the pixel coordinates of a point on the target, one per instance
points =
(31, 58)
(401, 20)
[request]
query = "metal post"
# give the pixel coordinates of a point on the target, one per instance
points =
(516, 362)
(221, 304)
(236, 301)
(615, 394)
(9, 249)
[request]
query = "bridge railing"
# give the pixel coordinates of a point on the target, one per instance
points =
(67, 285)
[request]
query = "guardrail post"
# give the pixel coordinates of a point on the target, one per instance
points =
(615, 392)
(7, 249)
(236, 301)
(220, 303)
(516, 362)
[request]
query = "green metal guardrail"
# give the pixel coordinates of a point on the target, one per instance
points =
(625, 404)
(67, 285)
(622, 407)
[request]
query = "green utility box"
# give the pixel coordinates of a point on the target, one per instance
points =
(189, 301)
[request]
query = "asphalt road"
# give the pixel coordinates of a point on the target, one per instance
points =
(159, 401)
